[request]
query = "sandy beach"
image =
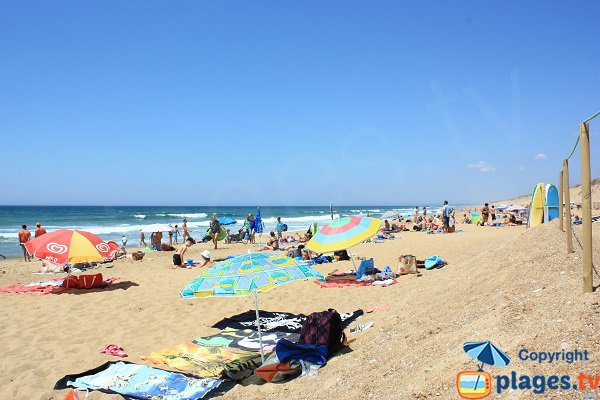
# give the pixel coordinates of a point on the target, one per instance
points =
(514, 286)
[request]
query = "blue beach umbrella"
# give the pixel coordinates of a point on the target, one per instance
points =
(487, 353)
(258, 227)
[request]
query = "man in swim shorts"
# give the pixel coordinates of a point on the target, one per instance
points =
(24, 236)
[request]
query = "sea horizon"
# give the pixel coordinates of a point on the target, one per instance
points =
(112, 222)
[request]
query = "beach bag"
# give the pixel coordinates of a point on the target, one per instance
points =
(407, 264)
(323, 328)
(275, 371)
(90, 281)
(137, 256)
(72, 282)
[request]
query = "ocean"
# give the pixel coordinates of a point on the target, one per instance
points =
(110, 223)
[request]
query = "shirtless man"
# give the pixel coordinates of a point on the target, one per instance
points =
(39, 231)
(24, 236)
(178, 256)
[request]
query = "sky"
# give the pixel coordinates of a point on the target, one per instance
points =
(292, 102)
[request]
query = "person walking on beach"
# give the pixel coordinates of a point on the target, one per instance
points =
(184, 230)
(493, 214)
(485, 214)
(279, 228)
(39, 231)
(215, 228)
(176, 234)
(252, 228)
(416, 215)
(24, 236)
(142, 238)
(124, 243)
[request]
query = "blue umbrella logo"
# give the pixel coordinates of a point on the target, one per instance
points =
(487, 353)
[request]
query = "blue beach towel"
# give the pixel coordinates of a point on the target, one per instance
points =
(140, 382)
(433, 262)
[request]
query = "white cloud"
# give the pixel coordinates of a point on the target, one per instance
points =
(540, 156)
(521, 168)
(482, 166)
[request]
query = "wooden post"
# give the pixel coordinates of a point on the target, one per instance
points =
(560, 200)
(586, 204)
(567, 198)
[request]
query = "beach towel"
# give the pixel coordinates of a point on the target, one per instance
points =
(339, 283)
(245, 339)
(207, 361)
(433, 262)
(141, 382)
(45, 287)
(275, 321)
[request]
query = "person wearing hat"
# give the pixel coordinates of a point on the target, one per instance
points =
(178, 256)
(205, 258)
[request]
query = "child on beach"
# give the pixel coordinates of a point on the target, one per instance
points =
(176, 234)
(178, 256)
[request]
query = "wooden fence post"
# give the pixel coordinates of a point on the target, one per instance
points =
(586, 204)
(567, 197)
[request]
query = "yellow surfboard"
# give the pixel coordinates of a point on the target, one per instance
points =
(536, 206)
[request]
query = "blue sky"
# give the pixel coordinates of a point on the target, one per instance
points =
(292, 102)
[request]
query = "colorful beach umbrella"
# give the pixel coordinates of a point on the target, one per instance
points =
(70, 246)
(248, 274)
(242, 275)
(343, 233)
(487, 353)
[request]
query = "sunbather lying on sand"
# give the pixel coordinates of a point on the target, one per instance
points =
(304, 238)
(48, 268)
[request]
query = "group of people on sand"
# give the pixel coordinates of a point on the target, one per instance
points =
(25, 236)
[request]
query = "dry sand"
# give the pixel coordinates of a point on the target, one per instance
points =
(514, 286)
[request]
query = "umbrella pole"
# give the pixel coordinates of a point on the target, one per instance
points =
(260, 342)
